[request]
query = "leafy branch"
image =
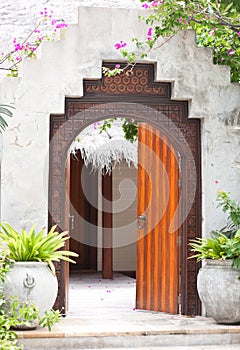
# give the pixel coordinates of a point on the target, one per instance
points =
(129, 127)
(216, 22)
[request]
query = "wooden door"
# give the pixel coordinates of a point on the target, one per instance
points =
(157, 274)
(65, 264)
(83, 214)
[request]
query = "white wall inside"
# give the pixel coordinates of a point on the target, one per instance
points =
(124, 205)
(125, 213)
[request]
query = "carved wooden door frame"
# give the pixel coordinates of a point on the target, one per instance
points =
(139, 97)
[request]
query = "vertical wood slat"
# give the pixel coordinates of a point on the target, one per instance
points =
(77, 209)
(140, 210)
(156, 260)
(65, 264)
(157, 249)
(93, 219)
(107, 222)
(173, 236)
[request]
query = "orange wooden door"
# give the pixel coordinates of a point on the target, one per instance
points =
(157, 272)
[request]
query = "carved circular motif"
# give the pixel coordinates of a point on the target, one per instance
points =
(121, 87)
(134, 80)
(143, 81)
(126, 80)
(112, 87)
(117, 80)
(139, 88)
(139, 73)
(130, 88)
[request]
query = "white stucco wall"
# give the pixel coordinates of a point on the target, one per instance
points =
(18, 18)
(59, 73)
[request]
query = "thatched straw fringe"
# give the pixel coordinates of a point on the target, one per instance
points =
(103, 151)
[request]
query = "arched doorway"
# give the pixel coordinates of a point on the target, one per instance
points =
(139, 97)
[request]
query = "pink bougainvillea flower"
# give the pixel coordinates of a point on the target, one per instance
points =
(61, 25)
(231, 52)
(150, 30)
(95, 125)
(213, 31)
(117, 66)
(149, 33)
(180, 19)
(155, 3)
(120, 44)
(238, 33)
(145, 5)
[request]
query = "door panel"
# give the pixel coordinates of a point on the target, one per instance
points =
(65, 264)
(157, 249)
(83, 218)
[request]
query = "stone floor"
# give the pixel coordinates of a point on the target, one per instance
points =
(89, 295)
(105, 308)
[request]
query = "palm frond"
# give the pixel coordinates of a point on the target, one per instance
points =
(4, 110)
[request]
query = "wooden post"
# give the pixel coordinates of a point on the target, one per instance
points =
(107, 256)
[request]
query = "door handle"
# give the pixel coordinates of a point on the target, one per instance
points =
(142, 219)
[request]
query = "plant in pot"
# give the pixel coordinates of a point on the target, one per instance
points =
(218, 280)
(14, 314)
(31, 278)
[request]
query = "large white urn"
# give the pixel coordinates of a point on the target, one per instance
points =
(32, 281)
(219, 290)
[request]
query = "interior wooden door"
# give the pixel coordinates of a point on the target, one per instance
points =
(83, 214)
(65, 264)
(157, 274)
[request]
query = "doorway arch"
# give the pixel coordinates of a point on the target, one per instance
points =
(137, 96)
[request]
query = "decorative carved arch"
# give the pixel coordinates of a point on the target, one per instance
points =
(137, 96)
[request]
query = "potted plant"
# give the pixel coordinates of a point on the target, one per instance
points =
(31, 277)
(218, 280)
(14, 315)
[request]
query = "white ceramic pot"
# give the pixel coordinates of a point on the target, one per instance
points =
(32, 281)
(219, 290)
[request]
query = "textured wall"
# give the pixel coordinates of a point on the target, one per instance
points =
(18, 17)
